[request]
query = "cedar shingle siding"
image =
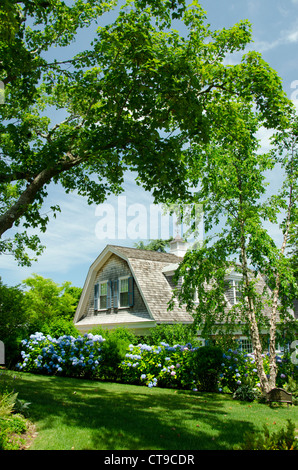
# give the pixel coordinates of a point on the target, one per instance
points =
(152, 290)
(112, 270)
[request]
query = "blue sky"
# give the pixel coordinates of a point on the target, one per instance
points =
(77, 235)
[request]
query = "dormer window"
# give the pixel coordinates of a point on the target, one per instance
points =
(125, 292)
(114, 294)
(233, 290)
(101, 291)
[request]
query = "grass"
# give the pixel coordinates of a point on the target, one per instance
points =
(89, 415)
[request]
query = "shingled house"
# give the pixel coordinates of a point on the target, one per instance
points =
(129, 287)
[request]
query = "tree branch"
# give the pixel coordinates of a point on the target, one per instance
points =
(29, 194)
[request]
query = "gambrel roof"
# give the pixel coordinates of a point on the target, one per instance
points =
(146, 267)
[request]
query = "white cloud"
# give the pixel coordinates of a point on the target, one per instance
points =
(69, 241)
(292, 36)
(264, 136)
(286, 37)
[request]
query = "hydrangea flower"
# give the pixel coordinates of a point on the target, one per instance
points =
(59, 355)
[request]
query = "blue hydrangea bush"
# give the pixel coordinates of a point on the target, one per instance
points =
(162, 365)
(68, 356)
(239, 368)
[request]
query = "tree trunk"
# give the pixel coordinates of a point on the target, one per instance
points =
(272, 346)
(255, 337)
(254, 330)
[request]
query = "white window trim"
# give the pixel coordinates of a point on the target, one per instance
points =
(195, 295)
(234, 287)
(232, 278)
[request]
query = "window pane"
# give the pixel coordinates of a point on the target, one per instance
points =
(238, 290)
(103, 301)
(245, 345)
(123, 299)
(124, 285)
(103, 288)
(229, 291)
(103, 295)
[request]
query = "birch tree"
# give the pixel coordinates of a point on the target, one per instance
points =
(231, 173)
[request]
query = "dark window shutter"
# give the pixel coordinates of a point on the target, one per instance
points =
(109, 294)
(96, 292)
(116, 290)
(130, 292)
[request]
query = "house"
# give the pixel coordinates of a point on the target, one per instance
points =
(131, 288)
(128, 287)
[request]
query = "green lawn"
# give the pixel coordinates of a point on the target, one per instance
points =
(81, 414)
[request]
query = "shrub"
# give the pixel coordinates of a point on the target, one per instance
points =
(75, 357)
(114, 357)
(11, 424)
(10, 427)
(13, 321)
(286, 369)
(7, 402)
(206, 365)
(60, 327)
(118, 333)
(280, 440)
(162, 365)
(112, 353)
(292, 387)
(245, 393)
(173, 334)
(113, 350)
(240, 369)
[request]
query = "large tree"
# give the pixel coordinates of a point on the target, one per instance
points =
(134, 100)
(232, 176)
(154, 245)
(46, 301)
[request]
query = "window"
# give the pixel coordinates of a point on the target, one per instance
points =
(113, 294)
(234, 290)
(103, 292)
(123, 298)
(237, 287)
(102, 295)
(125, 292)
(245, 345)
